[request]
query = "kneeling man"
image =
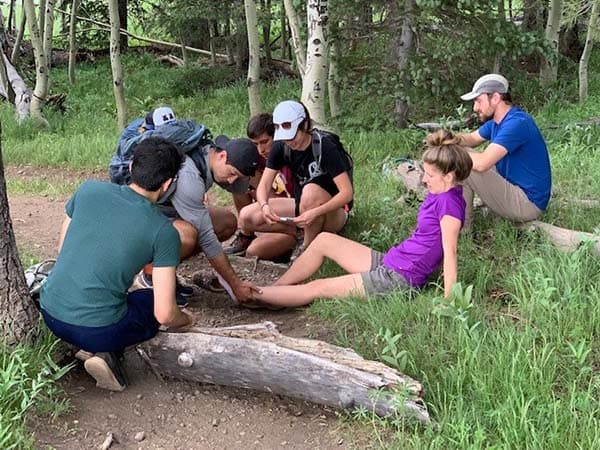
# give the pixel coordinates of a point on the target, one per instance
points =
(111, 231)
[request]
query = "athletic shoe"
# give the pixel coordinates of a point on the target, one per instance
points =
(106, 369)
(239, 245)
(181, 301)
(181, 290)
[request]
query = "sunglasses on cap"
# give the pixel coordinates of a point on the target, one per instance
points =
(288, 125)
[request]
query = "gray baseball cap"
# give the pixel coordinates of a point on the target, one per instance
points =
(487, 84)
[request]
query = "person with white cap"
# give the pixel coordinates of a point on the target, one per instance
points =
(512, 175)
(322, 170)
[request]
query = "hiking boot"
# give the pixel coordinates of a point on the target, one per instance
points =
(183, 289)
(106, 369)
(145, 280)
(207, 279)
(239, 245)
(181, 301)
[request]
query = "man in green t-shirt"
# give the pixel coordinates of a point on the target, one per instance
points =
(109, 234)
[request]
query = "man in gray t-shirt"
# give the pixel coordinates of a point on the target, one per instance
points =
(230, 163)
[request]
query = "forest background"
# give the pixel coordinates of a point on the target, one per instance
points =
(514, 362)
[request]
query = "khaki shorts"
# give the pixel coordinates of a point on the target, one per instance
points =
(381, 279)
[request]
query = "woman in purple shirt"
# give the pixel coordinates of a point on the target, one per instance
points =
(406, 265)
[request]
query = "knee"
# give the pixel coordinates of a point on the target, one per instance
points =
(313, 196)
(188, 235)
(250, 216)
(226, 226)
(322, 239)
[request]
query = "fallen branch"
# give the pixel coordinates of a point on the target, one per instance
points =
(258, 357)
(171, 59)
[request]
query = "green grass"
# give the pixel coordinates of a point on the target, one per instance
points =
(514, 366)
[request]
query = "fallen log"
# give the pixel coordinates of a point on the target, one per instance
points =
(172, 60)
(564, 238)
(22, 99)
(258, 357)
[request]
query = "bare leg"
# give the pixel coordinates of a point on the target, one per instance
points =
(314, 196)
(251, 217)
(304, 294)
(224, 222)
(271, 245)
(349, 255)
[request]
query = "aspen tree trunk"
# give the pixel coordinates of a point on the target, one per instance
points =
(549, 69)
(254, 57)
(587, 50)
(10, 92)
(266, 29)
(12, 17)
(73, 41)
(294, 22)
(115, 62)
(16, 51)
(284, 36)
(333, 80)
(403, 47)
(184, 53)
(228, 37)
(317, 51)
(498, 57)
(18, 314)
(41, 67)
(49, 27)
(211, 45)
(42, 18)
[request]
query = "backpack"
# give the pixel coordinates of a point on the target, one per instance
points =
(316, 147)
(36, 276)
(188, 135)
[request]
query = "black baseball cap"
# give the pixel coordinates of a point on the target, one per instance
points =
(241, 154)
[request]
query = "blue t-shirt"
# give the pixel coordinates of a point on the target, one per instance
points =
(527, 163)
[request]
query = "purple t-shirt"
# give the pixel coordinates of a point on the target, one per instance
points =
(420, 255)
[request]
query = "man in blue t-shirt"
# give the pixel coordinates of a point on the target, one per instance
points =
(512, 175)
(111, 231)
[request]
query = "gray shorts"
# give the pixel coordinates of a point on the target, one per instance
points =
(381, 279)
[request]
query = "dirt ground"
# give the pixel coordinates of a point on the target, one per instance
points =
(152, 414)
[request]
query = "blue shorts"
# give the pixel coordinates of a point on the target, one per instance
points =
(138, 325)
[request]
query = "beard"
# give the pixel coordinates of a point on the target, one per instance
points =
(483, 118)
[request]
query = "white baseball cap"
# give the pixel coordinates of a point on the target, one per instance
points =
(287, 116)
(487, 84)
(159, 116)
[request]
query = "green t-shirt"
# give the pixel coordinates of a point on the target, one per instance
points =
(114, 232)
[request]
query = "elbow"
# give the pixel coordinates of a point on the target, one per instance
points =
(166, 318)
(481, 166)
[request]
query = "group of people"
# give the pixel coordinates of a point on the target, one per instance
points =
(292, 187)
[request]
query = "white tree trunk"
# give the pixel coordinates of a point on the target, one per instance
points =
(41, 68)
(115, 62)
(211, 44)
(49, 27)
(16, 51)
(73, 41)
(316, 60)
(587, 50)
(333, 79)
(254, 57)
(549, 69)
(294, 22)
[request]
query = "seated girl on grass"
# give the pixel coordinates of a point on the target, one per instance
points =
(406, 265)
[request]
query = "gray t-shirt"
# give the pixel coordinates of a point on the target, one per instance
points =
(188, 201)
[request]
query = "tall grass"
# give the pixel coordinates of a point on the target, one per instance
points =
(512, 366)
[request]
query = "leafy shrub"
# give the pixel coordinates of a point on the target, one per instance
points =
(194, 79)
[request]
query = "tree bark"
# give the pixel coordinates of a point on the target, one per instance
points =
(22, 100)
(587, 50)
(297, 46)
(40, 90)
(284, 28)
(228, 37)
(403, 47)
(16, 51)
(333, 79)
(48, 30)
(12, 17)
(184, 53)
(254, 58)
(115, 62)
(123, 20)
(266, 29)
(18, 314)
(317, 53)
(73, 41)
(211, 45)
(549, 69)
(241, 58)
(258, 357)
